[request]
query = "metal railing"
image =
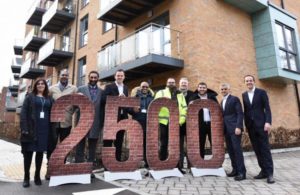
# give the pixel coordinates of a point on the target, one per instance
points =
(35, 4)
(151, 39)
(34, 32)
(61, 43)
(57, 5)
(17, 61)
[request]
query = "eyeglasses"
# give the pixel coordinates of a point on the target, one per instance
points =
(145, 87)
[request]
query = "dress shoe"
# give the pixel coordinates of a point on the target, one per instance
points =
(37, 181)
(26, 183)
(182, 171)
(260, 176)
(232, 174)
(270, 179)
(92, 176)
(240, 177)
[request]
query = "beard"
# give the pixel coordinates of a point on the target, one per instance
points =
(93, 83)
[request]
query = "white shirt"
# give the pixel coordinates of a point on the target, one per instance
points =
(251, 94)
(120, 88)
(206, 115)
(224, 101)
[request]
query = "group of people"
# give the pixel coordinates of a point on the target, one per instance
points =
(39, 135)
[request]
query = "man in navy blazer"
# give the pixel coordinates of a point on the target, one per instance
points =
(258, 119)
(117, 88)
(233, 125)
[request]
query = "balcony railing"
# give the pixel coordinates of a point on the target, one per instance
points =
(35, 13)
(18, 46)
(34, 39)
(30, 70)
(122, 11)
(10, 102)
(58, 16)
(16, 64)
(152, 39)
(56, 50)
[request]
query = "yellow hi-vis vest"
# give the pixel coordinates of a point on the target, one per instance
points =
(164, 115)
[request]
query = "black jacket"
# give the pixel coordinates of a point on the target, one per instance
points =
(144, 104)
(258, 113)
(232, 115)
(28, 119)
(112, 90)
(211, 95)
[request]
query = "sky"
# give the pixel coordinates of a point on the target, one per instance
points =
(13, 14)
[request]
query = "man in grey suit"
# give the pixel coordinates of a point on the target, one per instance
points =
(93, 92)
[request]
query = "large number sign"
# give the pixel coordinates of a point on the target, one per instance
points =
(57, 164)
(135, 135)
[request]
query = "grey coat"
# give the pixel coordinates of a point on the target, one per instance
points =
(99, 112)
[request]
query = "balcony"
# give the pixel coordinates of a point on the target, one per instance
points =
(13, 88)
(58, 16)
(56, 50)
(150, 50)
(249, 6)
(29, 70)
(18, 47)
(21, 98)
(17, 76)
(10, 103)
(16, 64)
(34, 40)
(122, 11)
(35, 13)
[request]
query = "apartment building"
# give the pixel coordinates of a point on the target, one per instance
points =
(214, 41)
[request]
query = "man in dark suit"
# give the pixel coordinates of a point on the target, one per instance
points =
(202, 92)
(258, 120)
(93, 92)
(117, 89)
(233, 125)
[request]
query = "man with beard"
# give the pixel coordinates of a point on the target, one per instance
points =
(204, 93)
(93, 92)
(184, 89)
(63, 128)
(172, 93)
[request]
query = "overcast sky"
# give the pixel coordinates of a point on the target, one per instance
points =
(12, 22)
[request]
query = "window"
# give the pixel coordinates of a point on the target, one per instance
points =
(83, 31)
(81, 71)
(84, 3)
(107, 26)
(287, 47)
(66, 42)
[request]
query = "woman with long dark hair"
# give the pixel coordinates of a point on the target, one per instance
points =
(35, 126)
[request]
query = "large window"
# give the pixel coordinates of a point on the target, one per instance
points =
(84, 31)
(81, 71)
(287, 47)
(107, 26)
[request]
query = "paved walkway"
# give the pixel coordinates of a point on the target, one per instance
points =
(287, 176)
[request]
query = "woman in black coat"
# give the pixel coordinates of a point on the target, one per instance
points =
(35, 128)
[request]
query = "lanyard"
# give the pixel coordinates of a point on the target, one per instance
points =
(43, 102)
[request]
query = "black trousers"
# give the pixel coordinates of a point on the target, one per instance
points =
(182, 138)
(164, 141)
(260, 143)
(205, 130)
(92, 146)
(118, 142)
(233, 143)
(27, 155)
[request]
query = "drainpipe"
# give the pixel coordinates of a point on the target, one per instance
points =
(116, 33)
(75, 42)
(282, 4)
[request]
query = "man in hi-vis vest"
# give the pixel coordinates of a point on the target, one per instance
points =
(170, 92)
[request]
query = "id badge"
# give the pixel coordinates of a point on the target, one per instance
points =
(42, 114)
(143, 111)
